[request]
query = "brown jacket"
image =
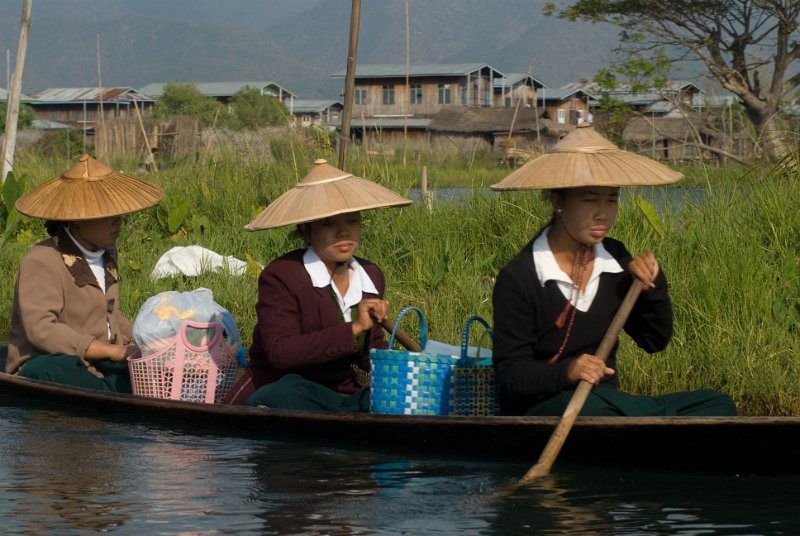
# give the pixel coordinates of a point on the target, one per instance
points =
(59, 307)
(300, 329)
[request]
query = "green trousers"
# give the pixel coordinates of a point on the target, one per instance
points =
(295, 392)
(69, 370)
(603, 401)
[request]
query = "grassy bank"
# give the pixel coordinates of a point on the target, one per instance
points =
(732, 261)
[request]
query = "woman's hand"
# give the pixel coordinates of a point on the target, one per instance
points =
(100, 351)
(370, 311)
(645, 268)
(588, 368)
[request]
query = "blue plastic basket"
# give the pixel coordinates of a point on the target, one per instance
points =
(411, 383)
(474, 386)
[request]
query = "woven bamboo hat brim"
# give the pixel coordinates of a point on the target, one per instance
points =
(325, 191)
(88, 191)
(585, 158)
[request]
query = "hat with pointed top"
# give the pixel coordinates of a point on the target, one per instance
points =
(88, 191)
(325, 191)
(585, 158)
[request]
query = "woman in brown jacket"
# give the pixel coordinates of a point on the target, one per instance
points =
(66, 325)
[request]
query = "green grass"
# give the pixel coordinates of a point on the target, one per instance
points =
(732, 260)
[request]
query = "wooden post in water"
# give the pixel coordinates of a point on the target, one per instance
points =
(425, 197)
(349, 84)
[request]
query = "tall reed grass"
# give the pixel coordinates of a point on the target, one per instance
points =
(731, 258)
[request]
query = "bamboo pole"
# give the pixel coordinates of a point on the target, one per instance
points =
(12, 108)
(102, 139)
(144, 133)
(349, 85)
(407, 100)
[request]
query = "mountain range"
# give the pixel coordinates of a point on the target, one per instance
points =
(297, 44)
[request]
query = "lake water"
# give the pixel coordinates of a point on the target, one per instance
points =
(64, 473)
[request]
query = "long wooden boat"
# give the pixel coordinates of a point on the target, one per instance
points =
(730, 445)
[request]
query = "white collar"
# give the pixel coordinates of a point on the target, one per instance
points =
(547, 269)
(89, 255)
(359, 280)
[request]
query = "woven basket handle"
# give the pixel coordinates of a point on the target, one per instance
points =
(465, 337)
(180, 357)
(423, 329)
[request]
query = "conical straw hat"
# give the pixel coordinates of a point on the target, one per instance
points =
(325, 191)
(88, 191)
(585, 158)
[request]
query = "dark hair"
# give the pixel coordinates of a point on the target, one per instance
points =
(298, 235)
(52, 226)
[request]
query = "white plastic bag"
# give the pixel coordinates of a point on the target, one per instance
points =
(160, 317)
(194, 260)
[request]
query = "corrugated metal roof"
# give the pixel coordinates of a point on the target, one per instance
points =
(93, 94)
(22, 96)
(563, 93)
(661, 107)
(219, 89)
(310, 106)
(636, 99)
(432, 69)
(387, 122)
(512, 79)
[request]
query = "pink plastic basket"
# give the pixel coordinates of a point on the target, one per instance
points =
(183, 371)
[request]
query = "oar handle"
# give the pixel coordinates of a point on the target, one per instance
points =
(556, 441)
(401, 336)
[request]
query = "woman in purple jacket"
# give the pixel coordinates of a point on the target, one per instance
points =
(319, 308)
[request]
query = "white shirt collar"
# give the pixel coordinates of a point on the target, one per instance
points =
(547, 269)
(94, 259)
(360, 281)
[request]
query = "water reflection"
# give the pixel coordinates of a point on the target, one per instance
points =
(343, 491)
(591, 500)
(64, 483)
(69, 474)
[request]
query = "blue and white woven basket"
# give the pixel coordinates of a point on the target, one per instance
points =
(411, 383)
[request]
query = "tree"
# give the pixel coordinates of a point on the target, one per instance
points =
(750, 46)
(24, 120)
(185, 99)
(255, 110)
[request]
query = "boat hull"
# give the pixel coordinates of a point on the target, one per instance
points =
(731, 445)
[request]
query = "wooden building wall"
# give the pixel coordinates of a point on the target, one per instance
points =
(573, 109)
(430, 96)
(508, 98)
(76, 114)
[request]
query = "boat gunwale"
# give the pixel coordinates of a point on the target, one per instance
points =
(52, 388)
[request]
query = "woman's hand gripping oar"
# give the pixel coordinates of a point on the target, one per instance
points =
(553, 447)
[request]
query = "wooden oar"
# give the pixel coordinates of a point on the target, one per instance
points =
(553, 447)
(402, 337)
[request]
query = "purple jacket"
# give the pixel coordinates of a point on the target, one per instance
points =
(300, 329)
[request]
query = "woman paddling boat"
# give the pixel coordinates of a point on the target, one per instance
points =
(554, 300)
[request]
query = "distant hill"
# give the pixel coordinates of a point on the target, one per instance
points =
(296, 43)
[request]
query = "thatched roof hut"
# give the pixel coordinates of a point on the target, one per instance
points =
(516, 136)
(644, 130)
(669, 138)
(466, 120)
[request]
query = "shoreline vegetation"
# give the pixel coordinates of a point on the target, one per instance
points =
(731, 258)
